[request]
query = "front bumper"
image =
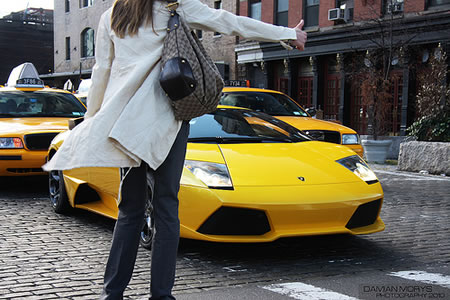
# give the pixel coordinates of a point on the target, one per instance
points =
(255, 214)
(21, 162)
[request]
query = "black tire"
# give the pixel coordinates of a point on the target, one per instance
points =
(58, 194)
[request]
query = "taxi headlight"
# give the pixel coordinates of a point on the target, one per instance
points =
(348, 139)
(214, 175)
(355, 164)
(10, 143)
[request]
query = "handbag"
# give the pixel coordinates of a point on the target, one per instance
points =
(188, 75)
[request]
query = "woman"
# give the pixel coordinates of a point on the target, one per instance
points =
(130, 124)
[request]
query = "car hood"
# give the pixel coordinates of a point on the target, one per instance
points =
(275, 164)
(27, 125)
(307, 123)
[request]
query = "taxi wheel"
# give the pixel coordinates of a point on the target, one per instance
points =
(58, 194)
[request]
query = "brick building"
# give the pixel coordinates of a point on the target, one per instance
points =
(339, 31)
(26, 36)
(76, 21)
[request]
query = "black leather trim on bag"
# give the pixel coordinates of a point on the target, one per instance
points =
(188, 76)
(177, 78)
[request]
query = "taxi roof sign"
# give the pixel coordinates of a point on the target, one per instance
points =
(25, 75)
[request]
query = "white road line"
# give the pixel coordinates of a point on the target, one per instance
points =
(416, 177)
(431, 278)
(298, 290)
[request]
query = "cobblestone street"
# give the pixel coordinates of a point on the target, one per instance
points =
(48, 256)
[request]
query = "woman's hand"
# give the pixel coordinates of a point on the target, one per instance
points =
(299, 43)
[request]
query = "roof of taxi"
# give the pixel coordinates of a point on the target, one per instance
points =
(247, 89)
(45, 89)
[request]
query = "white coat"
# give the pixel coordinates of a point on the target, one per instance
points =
(129, 118)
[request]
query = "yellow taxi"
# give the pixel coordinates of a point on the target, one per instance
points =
(31, 115)
(248, 177)
(284, 108)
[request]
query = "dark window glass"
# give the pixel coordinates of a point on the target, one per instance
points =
(217, 5)
(40, 104)
(311, 15)
(67, 48)
(241, 126)
(255, 10)
(67, 5)
(87, 42)
(86, 3)
(270, 103)
(438, 2)
(282, 12)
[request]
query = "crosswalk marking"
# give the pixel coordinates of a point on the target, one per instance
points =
(431, 278)
(298, 290)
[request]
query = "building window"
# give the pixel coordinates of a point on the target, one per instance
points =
(67, 48)
(438, 2)
(282, 12)
(87, 42)
(86, 3)
(311, 15)
(255, 10)
(67, 5)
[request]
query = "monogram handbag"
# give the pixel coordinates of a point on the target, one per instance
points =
(188, 76)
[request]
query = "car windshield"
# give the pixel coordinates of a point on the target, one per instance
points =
(39, 104)
(273, 104)
(231, 126)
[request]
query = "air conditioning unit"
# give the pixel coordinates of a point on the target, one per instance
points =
(335, 14)
(395, 7)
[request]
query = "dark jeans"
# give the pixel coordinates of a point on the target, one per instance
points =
(125, 243)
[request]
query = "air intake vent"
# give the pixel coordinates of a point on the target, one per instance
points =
(366, 214)
(325, 135)
(236, 221)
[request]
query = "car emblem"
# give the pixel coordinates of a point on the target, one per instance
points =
(301, 178)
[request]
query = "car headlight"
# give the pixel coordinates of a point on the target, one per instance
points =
(10, 143)
(348, 139)
(214, 175)
(355, 164)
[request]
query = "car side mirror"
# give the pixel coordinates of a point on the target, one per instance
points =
(75, 122)
(312, 111)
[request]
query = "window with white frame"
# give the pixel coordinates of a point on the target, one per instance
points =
(86, 3)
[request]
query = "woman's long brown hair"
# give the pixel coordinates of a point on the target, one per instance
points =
(128, 15)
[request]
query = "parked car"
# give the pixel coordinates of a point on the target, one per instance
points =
(31, 115)
(83, 90)
(248, 177)
(284, 108)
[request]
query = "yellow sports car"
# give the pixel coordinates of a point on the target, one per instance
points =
(31, 115)
(248, 177)
(284, 108)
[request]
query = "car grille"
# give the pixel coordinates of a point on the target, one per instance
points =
(366, 214)
(325, 135)
(39, 141)
(236, 221)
